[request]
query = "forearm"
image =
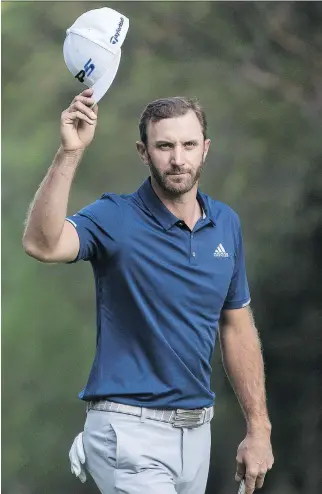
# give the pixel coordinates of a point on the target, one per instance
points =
(48, 210)
(243, 362)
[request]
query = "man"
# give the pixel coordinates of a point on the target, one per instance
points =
(169, 270)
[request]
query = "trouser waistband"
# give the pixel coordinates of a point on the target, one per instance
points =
(178, 418)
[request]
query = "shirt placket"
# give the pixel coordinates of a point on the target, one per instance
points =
(193, 249)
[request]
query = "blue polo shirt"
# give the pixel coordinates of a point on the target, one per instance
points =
(160, 289)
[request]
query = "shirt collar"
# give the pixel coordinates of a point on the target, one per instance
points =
(162, 213)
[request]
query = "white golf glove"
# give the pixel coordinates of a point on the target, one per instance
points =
(77, 458)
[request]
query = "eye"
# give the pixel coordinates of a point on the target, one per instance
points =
(190, 144)
(164, 145)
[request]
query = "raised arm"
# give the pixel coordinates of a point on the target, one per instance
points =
(47, 236)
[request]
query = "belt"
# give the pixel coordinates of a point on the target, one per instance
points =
(178, 418)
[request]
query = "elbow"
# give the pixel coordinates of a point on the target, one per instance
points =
(29, 248)
(32, 250)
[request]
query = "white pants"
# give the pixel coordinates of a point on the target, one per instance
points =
(135, 455)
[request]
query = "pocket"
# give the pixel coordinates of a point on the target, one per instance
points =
(127, 432)
(100, 438)
(146, 444)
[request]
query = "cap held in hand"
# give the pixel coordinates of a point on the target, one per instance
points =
(92, 48)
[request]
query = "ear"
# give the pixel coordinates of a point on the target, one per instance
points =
(206, 148)
(141, 149)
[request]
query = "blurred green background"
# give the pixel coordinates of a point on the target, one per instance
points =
(257, 69)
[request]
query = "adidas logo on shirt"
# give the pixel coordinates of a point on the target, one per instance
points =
(220, 251)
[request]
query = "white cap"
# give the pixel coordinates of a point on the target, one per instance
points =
(92, 48)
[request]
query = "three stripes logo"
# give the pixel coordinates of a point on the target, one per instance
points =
(220, 251)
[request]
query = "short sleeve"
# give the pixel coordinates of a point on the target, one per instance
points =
(99, 226)
(238, 295)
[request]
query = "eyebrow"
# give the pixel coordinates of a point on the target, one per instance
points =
(164, 141)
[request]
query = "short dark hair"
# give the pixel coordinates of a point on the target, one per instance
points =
(170, 108)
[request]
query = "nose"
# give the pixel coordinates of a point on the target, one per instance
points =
(177, 157)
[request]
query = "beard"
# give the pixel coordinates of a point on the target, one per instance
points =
(176, 181)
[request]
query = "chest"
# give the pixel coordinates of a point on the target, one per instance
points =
(189, 265)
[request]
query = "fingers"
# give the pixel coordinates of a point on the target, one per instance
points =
(262, 473)
(86, 97)
(255, 478)
(79, 106)
(74, 115)
(254, 475)
(84, 104)
(250, 481)
(260, 480)
(240, 471)
(87, 92)
(87, 100)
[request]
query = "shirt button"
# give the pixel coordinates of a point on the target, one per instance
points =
(192, 235)
(194, 254)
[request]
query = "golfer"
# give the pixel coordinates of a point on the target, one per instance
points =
(169, 272)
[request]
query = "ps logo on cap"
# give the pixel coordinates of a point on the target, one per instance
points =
(88, 69)
(92, 48)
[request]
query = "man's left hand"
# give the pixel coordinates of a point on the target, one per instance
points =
(254, 459)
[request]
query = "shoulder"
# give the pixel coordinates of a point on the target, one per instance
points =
(107, 201)
(105, 210)
(121, 200)
(222, 212)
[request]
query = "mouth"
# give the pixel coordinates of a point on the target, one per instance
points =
(177, 174)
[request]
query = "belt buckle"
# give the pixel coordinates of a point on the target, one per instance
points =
(189, 418)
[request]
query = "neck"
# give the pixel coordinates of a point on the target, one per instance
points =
(185, 207)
